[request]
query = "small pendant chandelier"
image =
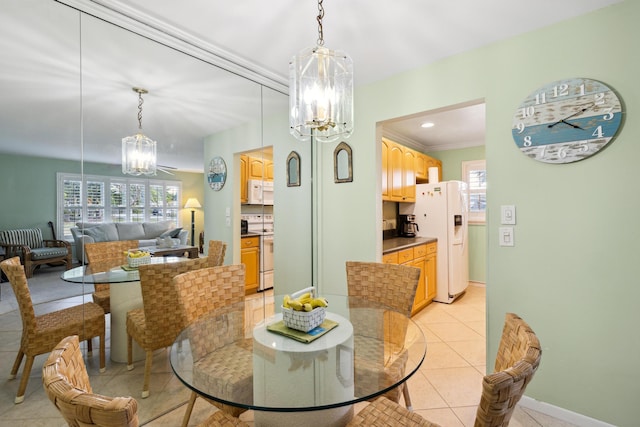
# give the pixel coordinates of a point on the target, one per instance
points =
(139, 151)
(321, 91)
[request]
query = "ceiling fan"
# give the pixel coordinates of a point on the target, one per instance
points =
(163, 168)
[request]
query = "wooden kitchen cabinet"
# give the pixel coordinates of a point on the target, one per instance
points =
(398, 173)
(260, 169)
(244, 174)
(430, 270)
(250, 257)
(423, 163)
(402, 168)
(424, 258)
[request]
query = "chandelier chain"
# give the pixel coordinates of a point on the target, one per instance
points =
(319, 19)
(140, 102)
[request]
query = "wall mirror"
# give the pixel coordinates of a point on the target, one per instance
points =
(66, 89)
(293, 169)
(342, 163)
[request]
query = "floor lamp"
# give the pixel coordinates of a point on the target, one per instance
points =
(192, 203)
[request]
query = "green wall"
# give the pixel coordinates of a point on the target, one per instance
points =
(573, 271)
(452, 170)
(28, 190)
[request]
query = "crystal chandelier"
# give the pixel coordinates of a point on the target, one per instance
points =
(321, 91)
(139, 151)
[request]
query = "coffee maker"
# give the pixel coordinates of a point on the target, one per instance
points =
(408, 226)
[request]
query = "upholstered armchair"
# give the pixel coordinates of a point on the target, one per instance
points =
(33, 250)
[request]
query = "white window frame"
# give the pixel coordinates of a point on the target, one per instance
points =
(475, 217)
(148, 215)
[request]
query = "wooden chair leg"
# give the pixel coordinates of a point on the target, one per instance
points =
(16, 364)
(25, 379)
(129, 352)
(89, 347)
(407, 398)
(103, 351)
(147, 374)
(187, 413)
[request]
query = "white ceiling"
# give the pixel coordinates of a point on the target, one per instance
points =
(383, 38)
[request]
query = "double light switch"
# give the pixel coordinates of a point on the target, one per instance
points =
(507, 217)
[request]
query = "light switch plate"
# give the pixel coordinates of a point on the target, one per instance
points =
(506, 237)
(508, 215)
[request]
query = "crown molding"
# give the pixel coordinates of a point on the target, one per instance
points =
(115, 12)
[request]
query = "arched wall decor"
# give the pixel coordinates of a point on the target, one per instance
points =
(342, 163)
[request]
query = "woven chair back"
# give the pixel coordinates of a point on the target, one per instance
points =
(15, 273)
(203, 291)
(66, 382)
(160, 300)
(517, 360)
(217, 250)
(393, 286)
(114, 251)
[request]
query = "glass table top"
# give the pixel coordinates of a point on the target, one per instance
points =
(371, 351)
(110, 272)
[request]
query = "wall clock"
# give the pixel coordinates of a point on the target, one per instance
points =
(567, 120)
(217, 175)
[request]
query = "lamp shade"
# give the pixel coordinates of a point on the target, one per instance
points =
(192, 203)
(321, 94)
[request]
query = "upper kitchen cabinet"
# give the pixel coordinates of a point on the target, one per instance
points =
(423, 163)
(244, 173)
(402, 167)
(260, 168)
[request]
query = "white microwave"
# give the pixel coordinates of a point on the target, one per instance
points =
(260, 192)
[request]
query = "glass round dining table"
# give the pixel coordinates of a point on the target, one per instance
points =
(124, 295)
(361, 351)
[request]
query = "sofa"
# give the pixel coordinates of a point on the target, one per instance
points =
(146, 233)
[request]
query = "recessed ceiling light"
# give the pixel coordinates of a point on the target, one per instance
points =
(427, 125)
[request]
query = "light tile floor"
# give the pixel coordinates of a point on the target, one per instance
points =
(445, 390)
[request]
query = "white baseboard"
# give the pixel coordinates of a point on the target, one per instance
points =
(561, 413)
(480, 284)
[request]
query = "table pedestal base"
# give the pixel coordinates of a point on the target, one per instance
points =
(124, 297)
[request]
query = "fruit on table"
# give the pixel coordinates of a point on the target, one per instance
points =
(137, 254)
(304, 302)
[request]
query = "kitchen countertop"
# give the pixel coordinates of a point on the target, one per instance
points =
(399, 243)
(249, 234)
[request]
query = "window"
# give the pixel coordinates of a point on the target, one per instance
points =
(474, 173)
(111, 199)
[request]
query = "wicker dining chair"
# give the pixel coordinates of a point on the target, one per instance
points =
(217, 250)
(222, 419)
(157, 324)
(517, 360)
(200, 293)
(41, 333)
(105, 253)
(66, 382)
(392, 286)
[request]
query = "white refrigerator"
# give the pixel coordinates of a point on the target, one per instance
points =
(441, 211)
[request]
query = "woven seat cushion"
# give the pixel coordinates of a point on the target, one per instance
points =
(136, 325)
(227, 372)
(221, 419)
(86, 320)
(46, 253)
(384, 413)
(375, 370)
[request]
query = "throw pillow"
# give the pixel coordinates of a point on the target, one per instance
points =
(172, 233)
(130, 231)
(154, 229)
(96, 233)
